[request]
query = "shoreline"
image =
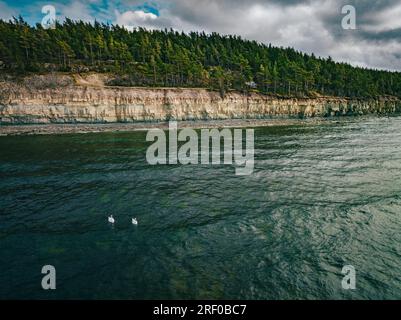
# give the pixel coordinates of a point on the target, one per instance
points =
(70, 128)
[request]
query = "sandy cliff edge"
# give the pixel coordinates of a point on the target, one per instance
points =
(57, 98)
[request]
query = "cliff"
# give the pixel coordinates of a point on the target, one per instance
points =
(77, 99)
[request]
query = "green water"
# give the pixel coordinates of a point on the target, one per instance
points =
(321, 197)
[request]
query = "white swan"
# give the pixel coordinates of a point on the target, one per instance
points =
(111, 219)
(134, 221)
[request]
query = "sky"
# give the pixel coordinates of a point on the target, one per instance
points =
(306, 25)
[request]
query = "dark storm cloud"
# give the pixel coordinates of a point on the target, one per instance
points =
(394, 34)
(368, 14)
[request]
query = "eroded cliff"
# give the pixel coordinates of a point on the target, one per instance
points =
(72, 99)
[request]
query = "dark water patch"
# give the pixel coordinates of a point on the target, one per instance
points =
(321, 196)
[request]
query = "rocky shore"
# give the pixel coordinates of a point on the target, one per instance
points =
(43, 129)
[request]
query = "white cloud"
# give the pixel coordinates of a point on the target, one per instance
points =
(384, 20)
(6, 13)
(132, 19)
(76, 10)
(367, 54)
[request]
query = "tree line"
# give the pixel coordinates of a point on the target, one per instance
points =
(175, 59)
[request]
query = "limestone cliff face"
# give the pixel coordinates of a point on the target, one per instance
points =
(70, 100)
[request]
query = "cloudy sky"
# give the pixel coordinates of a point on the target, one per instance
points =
(307, 25)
